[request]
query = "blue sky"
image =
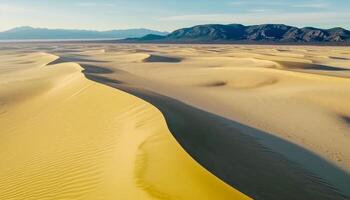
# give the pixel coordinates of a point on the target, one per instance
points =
(170, 14)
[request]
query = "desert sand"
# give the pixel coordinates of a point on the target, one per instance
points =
(297, 93)
(268, 120)
(65, 137)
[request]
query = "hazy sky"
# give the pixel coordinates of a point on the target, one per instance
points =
(170, 14)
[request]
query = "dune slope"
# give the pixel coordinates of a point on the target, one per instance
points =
(296, 93)
(65, 137)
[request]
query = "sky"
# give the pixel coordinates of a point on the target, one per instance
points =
(168, 15)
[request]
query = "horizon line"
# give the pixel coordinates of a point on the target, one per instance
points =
(168, 31)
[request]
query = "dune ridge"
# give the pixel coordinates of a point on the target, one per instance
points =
(304, 81)
(81, 140)
(248, 85)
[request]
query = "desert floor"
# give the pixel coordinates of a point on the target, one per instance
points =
(137, 121)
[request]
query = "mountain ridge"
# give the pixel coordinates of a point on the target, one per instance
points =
(219, 33)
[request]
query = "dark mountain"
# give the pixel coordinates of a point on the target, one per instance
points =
(153, 37)
(256, 33)
(27, 32)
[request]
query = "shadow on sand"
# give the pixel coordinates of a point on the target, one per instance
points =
(252, 161)
(248, 159)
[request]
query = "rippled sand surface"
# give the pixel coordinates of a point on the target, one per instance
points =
(263, 118)
(65, 137)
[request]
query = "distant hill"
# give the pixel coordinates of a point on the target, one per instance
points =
(269, 33)
(28, 32)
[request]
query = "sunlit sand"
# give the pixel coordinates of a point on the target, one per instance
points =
(297, 93)
(64, 136)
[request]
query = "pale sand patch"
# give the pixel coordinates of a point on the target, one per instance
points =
(65, 137)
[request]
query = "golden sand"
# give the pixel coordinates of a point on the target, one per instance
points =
(298, 93)
(65, 137)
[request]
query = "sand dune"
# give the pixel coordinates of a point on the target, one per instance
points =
(65, 137)
(291, 102)
(249, 85)
(305, 106)
(310, 66)
(256, 75)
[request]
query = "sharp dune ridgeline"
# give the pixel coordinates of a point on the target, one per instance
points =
(159, 121)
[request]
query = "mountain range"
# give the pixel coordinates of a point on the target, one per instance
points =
(218, 33)
(208, 33)
(27, 32)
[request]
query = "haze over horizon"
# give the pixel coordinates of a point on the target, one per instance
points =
(170, 15)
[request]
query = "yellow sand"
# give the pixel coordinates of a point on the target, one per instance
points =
(65, 137)
(282, 90)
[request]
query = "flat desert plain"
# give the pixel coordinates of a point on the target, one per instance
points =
(157, 121)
